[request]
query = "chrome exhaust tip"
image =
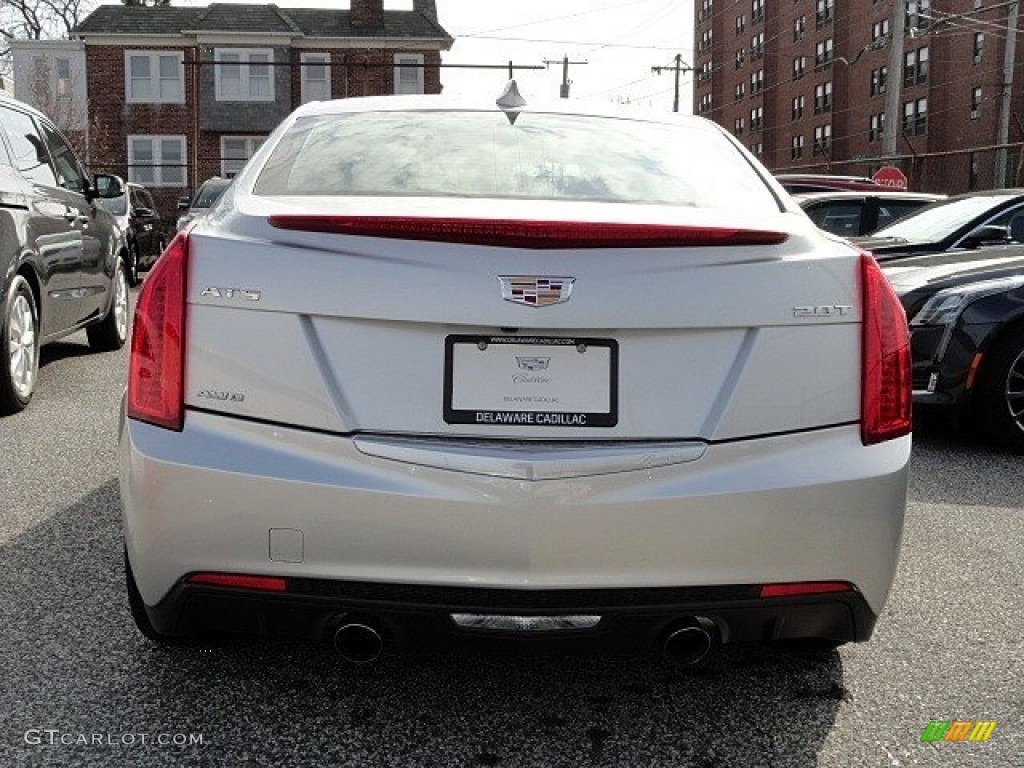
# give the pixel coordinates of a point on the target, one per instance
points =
(689, 640)
(358, 643)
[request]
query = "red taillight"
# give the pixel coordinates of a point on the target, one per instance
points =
(504, 233)
(239, 581)
(885, 375)
(804, 588)
(156, 368)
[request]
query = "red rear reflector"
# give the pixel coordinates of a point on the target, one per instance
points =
(798, 589)
(885, 376)
(156, 366)
(261, 583)
(528, 234)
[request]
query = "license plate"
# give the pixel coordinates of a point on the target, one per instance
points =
(531, 381)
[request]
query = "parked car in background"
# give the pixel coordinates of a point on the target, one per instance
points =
(208, 194)
(959, 223)
(62, 257)
(139, 219)
(440, 353)
(849, 214)
(967, 336)
(795, 183)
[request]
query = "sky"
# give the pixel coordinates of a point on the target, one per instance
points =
(621, 40)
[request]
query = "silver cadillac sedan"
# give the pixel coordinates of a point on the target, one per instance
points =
(440, 373)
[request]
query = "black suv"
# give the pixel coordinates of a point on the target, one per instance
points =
(140, 222)
(61, 256)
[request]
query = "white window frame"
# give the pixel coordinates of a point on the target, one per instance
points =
(418, 57)
(252, 143)
(156, 141)
(154, 76)
(245, 81)
(323, 59)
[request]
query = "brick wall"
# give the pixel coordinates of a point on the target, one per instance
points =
(112, 119)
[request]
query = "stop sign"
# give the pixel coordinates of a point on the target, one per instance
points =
(890, 176)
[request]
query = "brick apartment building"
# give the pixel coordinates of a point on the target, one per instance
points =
(804, 84)
(177, 95)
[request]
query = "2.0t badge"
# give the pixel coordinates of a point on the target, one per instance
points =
(536, 291)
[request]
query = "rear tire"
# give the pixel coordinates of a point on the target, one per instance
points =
(133, 265)
(1001, 402)
(110, 333)
(19, 346)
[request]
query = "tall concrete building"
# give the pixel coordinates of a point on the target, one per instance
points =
(808, 86)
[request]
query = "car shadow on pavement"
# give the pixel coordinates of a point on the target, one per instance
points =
(62, 350)
(75, 664)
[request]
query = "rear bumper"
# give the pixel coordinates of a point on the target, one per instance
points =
(231, 496)
(417, 617)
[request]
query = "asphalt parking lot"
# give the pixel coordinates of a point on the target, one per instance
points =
(80, 687)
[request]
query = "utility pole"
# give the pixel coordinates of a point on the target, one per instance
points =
(563, 92)
(677, 67)
(1009, 57)
(894, 81)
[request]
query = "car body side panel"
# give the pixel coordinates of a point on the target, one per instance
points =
(816, 506)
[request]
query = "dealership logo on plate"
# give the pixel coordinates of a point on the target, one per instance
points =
(536, 291)
(533, 363)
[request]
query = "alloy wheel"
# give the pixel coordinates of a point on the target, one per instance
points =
(21, 343)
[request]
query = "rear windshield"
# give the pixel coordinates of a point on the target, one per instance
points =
(209, 193)
(535, 157)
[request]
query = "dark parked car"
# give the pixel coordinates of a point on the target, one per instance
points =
(208, 194)
(967, 336)
(141, 223)
(61, 255)
(849, 214)
(795, 183)
(960, 223)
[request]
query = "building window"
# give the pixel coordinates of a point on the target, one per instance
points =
(757, 46)
(741, 24)
(979, 46)
(154, 77)
(823, 12)
(741, 91)
(798, 107)
(796, 147)
(879, 30)
(878, 77)
(737, 126)
(757, 10)
(823, 53)
(915, 116)
(157, 161)
(799, 65)
(704, 73)
(316, 77)
(917, 14)
(757, 119)
(409, 73)
(243, 74)
(705, 104)
(235, 152)
(705, 41)
(876, 127)
(705, 10)
(822, 97)
(757, 147)
(915, 67)
(63, 89)
(975, 103)
(741, 55)
(822, 140)
(799, 26)
(756, 81)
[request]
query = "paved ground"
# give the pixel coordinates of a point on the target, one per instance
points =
(72, 666)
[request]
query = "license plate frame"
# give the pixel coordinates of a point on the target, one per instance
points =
(551, 401)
